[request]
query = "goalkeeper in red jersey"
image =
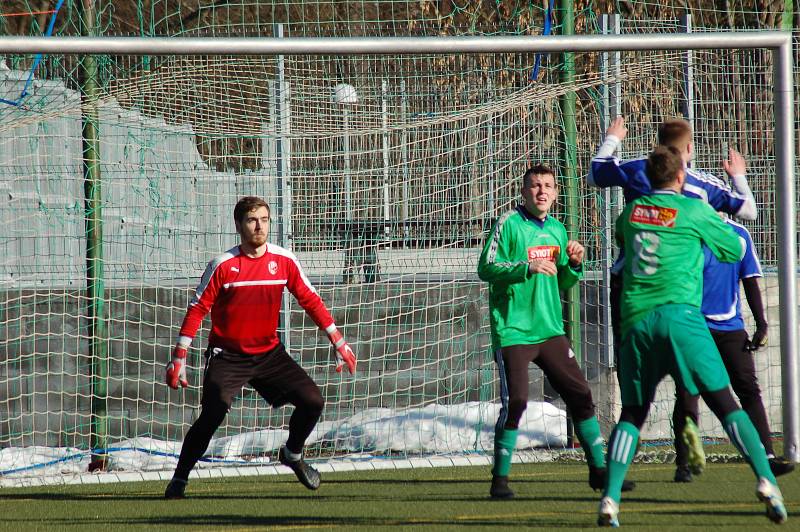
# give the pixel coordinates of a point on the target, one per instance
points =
(243, 289)
(527, 261)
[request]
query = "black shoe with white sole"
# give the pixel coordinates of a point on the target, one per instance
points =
(306, 474)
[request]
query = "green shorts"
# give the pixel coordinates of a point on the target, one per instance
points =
(674, 340)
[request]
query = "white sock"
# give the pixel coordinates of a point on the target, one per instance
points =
(294, 457)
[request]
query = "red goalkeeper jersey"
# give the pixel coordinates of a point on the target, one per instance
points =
(244, 297)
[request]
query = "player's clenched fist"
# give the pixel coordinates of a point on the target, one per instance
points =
(575, 253)
(176, 369)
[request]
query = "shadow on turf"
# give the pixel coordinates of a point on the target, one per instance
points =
(524, 480)
(226, 520)
(289, 497)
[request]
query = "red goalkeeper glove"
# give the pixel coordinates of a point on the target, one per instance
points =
(176, 370)
(344, 353)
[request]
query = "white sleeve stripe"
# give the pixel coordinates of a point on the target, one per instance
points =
(210, 269)
(749, 242)
(700, 191)
(608, 147)
(256, 283)
(278, 250)
(305, 279)
(711, 179)
(726, 315)
(749, 209)
(490, 257)
(760, 272)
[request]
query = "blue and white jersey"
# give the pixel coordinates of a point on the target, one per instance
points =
(722, 305)
(631, 176)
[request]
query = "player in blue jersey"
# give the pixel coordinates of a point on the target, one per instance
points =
(608, 171)
(722, 309)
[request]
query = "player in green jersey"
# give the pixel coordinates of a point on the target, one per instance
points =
(527, 261)
(663, 330)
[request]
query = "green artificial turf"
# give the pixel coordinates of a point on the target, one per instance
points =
(549, 496)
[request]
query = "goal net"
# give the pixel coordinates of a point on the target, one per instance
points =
(384, 174)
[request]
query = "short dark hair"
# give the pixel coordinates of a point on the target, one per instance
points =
(675, 132)
(663, 166)
(247, 204)
(537, 169)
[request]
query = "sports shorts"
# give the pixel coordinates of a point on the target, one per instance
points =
(669, 340)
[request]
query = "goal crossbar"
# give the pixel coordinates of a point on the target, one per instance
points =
(390, 45)
(779, 44)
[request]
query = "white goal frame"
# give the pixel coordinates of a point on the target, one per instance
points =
(778, 43)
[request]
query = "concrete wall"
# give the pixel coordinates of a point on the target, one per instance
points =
(417, 343)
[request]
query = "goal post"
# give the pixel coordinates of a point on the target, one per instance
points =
(363, 238)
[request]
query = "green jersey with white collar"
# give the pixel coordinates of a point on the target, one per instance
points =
(663, 234)
(525, 308)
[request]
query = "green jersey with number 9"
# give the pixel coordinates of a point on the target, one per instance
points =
(663, 234)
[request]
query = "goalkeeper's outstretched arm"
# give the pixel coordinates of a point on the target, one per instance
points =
(305, 293)
(199, 306)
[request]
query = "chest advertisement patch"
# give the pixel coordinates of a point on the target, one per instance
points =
(544, 253)
(652, 215)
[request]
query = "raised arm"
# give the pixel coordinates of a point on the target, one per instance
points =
(735, 166)
(605, 170)
(305, 294)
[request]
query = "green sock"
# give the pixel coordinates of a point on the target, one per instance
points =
(588, 432)
(745, 437)
(621, 450)
(504, 442)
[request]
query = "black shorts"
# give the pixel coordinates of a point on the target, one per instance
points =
(273, 375)
(739, 362)
(557, 361)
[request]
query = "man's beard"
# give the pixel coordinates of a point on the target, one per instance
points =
(257, 240)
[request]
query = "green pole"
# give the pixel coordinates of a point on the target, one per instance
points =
(95, 288)
(787, 23)
(569, 176)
